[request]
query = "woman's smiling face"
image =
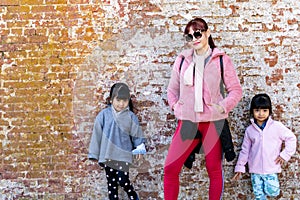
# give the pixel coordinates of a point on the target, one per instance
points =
(201, 44)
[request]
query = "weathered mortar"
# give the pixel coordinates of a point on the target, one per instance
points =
(59, 59)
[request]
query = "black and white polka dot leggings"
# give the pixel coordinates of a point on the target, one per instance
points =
(116, 177)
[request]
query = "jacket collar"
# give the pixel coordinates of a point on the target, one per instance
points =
(188, 54)
(269, 121)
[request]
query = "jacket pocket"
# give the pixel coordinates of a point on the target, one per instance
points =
(177, 107)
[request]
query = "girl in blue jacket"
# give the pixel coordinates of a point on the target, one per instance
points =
(262, 149)
(116, 137)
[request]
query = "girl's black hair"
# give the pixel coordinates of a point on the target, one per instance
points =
(125, 94)
(199, 24)
(261, 101)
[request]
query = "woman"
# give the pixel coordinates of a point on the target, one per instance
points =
(195, 97)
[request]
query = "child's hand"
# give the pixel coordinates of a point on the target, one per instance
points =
(279, 160)
(138, 156)
(237, 176)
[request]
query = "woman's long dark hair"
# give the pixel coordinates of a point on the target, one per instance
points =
(111, 96)
(199, 24)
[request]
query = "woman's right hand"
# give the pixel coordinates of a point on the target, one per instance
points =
(174, 106)
(237, 176)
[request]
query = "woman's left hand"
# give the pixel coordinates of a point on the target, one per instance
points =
(217, 107)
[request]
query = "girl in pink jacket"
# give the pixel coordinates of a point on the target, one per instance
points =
(262, 149)
(195, 97)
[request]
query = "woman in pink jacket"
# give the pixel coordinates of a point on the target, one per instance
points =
(195, 97)
(262, 149)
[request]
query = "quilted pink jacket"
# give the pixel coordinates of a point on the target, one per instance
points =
(181, 97)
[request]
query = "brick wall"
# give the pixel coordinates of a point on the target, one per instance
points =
(59, 58)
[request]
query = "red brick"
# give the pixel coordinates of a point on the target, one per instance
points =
(9, 2)
(31, 2)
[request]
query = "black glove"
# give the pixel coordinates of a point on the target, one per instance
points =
(230, 155)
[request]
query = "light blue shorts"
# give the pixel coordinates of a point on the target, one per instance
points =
(265, 185)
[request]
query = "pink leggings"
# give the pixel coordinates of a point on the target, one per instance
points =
(179, 151)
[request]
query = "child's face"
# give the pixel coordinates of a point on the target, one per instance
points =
(261, 115)
(120, 104)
